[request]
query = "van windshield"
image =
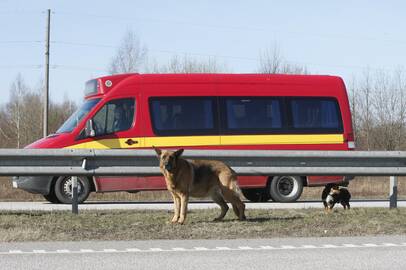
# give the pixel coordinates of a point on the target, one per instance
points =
(77, 116)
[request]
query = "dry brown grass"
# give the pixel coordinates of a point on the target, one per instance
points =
(360, 188)
(145, 225)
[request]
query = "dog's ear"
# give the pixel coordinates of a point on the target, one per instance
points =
(158, 151)
(179, 152)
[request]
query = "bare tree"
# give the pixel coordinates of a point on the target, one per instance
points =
(272, 62)
(59, 112)
(381, 111)
(186, 64)
(16, 107)
(21, 117)
(130, 55)
(363, 96)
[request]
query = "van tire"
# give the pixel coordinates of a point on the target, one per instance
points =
(63, 189)
(51, 197)
(285, 188)
(256, 194)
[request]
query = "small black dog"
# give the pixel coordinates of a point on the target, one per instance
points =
(333, 194)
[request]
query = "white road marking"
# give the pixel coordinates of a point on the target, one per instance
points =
(207, 249)
(133, 249)
(245, 248)
(110, 250)
(86, 250)
(15, 251)
(178, 249)
(287, 247)
(350, 245)
(201, 248)
(369, 245)
(330, 246)
(62, 251)
(308, 246)
(156, 249)
(267, 247)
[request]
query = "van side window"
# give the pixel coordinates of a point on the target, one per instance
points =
(116, 115)
(244, 115)
(315, 113)
(183, 115)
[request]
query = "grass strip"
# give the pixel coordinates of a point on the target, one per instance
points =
(145, 225)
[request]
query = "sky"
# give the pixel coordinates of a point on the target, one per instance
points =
(335, 37)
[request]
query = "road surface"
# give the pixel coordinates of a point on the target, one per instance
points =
(288, 253)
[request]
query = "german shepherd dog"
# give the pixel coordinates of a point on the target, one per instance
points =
(333, 194)
(199, 178)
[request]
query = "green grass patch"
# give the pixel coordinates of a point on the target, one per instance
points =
(145, 225)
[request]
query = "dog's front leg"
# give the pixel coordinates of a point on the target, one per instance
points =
(184, 199)
(176, 206)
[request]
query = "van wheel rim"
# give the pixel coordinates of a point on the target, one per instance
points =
(67, 187)
(286, 186)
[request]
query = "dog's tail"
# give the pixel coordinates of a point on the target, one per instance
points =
(234, 185)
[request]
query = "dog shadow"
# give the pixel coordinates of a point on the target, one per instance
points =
(260, 219)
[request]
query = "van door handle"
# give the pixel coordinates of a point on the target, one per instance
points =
(130, 142)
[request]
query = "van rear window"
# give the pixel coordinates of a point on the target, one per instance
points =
(315, 114)
(183, 115)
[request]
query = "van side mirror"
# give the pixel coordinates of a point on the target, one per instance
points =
(89, 129)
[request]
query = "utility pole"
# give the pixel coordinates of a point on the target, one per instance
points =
(46, 89)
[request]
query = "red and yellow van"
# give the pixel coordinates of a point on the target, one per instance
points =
(203, 111)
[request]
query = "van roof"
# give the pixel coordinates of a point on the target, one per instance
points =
(224, 77)
(108, 84)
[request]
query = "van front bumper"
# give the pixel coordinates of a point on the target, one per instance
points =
(33, 184)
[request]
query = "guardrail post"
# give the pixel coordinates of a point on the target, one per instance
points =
(75, 208)
(393, 192)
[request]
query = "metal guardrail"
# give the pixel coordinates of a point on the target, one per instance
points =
(245, 162)
(91, 162)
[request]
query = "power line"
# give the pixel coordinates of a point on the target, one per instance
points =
(69, 67)
(234, 27)
(252, 59)
(19, 41)
(20, 11)
(21, 66)
(83, 44)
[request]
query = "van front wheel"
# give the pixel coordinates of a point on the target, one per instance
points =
(285, 188)
(63, 189)
(256, 194)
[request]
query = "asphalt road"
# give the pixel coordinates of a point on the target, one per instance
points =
(45, 206)
(288, 253)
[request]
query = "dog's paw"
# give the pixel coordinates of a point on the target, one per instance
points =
(181, 222)
(174, 219)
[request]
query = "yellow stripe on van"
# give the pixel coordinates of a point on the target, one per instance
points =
(214, 140)
(110, 144)
(182, 140)
(282, 139)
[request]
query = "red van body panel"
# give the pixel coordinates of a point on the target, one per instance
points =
(142, 87)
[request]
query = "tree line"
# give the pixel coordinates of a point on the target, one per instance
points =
(377, 99)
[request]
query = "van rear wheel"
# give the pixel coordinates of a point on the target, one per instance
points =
(63, 189)
(285, 188)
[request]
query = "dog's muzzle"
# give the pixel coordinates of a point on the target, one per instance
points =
(168, 167)
(330, 200)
